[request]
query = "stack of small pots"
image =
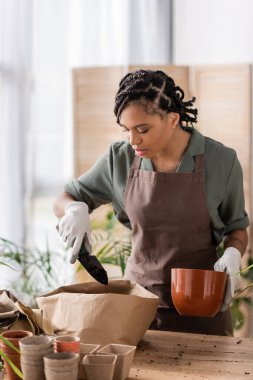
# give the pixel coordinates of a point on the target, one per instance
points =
(64, 362)
(33, 349)
(65, 358)
(61, 365)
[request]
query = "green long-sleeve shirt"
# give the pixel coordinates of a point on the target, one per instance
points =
(105, 182)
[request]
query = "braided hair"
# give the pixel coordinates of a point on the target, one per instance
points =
(157, 93)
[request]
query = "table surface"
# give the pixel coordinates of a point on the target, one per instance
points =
(170, 355)
(164, 355)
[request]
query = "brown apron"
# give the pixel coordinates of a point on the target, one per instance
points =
(171, 228)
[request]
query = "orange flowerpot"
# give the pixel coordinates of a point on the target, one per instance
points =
(15, 359)
(67, 343)
(197, 292)
(14, 337)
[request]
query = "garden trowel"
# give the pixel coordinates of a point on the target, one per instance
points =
(92, 265)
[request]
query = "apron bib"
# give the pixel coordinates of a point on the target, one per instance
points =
(171, 228)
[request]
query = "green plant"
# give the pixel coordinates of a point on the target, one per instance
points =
(243, 295)
(6, 358)
(39, 271)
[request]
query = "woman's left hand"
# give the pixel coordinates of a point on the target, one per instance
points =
(229, 263)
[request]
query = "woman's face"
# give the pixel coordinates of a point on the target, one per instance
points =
(149, 135)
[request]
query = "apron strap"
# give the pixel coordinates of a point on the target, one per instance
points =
(199, 164)
(136, 163)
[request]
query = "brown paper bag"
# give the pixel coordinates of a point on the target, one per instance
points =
(120, 312)
(23, 318)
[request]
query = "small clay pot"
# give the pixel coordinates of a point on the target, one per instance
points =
(35, 344)
(61, 365)
(99, 367)
(125, 355)
(67, 343)
(15, 359)
(33, 370)
(14, 336)
(85, 349)
(33, 349)
(197, 292)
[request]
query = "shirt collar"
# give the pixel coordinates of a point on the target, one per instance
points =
(195, 147)
(196, 144)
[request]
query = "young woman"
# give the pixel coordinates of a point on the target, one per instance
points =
(179, 192)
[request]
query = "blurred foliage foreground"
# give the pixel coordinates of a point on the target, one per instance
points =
(35, 271)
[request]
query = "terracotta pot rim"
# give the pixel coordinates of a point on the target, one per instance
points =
(11, 334)
(66, 339)
(14, 336)
(62, 344)
(200, 271)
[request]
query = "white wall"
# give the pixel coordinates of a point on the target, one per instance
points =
(212, 31)
(72, 33)
(50, 103)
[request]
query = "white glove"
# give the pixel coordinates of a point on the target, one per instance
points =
(230, 263)
(74, 227)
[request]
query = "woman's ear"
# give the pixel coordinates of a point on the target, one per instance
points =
(174, 119)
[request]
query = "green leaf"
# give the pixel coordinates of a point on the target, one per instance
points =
(237, 315)
(104, 250)
(246, 269)
(239, 291)
(7, 265)
(220, 249)
(8, 343)
(12, 365)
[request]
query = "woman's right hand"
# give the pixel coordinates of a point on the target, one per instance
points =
(74, 227)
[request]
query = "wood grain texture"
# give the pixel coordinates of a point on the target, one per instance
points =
(94, 123)
(165, 355)
(224, 102)
(169, 355)
(223, 95)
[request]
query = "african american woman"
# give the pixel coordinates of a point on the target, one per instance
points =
(179, 192)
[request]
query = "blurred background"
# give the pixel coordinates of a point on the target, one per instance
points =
(60, 63)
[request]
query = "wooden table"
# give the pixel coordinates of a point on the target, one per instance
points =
(169, 355)
(173, 356)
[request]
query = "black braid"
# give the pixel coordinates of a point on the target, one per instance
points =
(157, 93)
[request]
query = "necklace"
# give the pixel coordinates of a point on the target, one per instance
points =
(172, 169)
